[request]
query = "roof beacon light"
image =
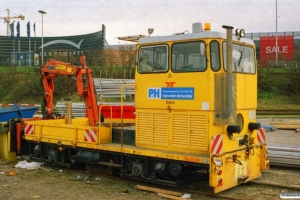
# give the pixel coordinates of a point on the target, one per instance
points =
(207, 27)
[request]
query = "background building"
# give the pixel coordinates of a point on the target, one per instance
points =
(26, 52)
(288, 46)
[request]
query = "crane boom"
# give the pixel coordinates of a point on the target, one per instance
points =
(7, 20)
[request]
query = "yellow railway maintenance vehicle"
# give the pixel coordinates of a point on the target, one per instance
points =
(195, 116)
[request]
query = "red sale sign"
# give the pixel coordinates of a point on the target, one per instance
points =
(285, 48)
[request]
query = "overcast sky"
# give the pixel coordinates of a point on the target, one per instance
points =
(133, 17)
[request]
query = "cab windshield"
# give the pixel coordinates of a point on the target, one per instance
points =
(186, 57)
(153, 59)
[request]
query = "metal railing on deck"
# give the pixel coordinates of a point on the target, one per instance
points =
(105, 88)
(78, 109)
(111, 87)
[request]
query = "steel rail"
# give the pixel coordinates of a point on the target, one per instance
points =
(277, 112)
(295, 187)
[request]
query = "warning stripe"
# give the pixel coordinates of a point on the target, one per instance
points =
(90, 135)
(217, 144)
(261, 137)
(29, 129)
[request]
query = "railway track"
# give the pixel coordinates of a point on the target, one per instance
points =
(278, 112)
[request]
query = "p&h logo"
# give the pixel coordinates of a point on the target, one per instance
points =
(154, 93)
(170, 84)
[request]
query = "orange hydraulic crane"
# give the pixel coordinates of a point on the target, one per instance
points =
(7, 20)
(84, 83)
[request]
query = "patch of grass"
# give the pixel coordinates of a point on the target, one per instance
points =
(271, 100)
(16, 69)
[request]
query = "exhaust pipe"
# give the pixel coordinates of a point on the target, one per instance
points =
(228, 72)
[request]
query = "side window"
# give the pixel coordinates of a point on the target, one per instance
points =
(186, 57)
(153, 59)
(214, 56)
(242, 58)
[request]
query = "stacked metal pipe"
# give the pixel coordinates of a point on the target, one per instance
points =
(112, 87)
(105, 88)
(284, 156)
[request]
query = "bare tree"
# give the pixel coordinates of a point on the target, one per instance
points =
(127, 58)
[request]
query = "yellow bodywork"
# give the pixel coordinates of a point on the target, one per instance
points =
(58, 132)
(5, 152)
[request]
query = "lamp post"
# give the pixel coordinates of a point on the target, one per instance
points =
(42, 12)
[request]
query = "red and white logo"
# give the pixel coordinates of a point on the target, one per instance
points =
(29, 129)
(217, 144)
(170, 84)
(261, 136)
(90, 135)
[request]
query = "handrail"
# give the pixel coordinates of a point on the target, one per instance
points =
(122, 134)
(122, 89)
(110, 124)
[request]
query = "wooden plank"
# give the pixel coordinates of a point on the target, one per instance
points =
(110, 164)
(167, 196)
(286, 125)
(286, 122)
(157, 190)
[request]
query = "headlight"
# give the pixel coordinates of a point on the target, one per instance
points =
(242, 33)
(218, 162)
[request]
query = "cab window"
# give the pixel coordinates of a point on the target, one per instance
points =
(153, 59)
(242, 58)
(214, 56)
(186, 57)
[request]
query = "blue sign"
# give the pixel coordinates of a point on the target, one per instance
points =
(177, 93)
(171, 93)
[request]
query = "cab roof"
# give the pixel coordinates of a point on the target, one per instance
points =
(144, 39)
